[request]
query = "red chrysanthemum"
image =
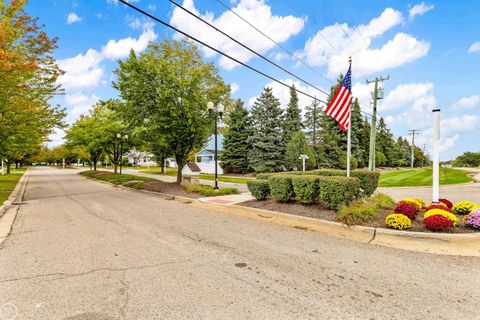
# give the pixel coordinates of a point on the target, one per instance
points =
(438, 206)
(407, 210)
(448, 203)
(437, 223)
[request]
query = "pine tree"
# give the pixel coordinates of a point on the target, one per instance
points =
(267, 149)
(296, 147)
(236, 146)
(385, 142)
(313, 113)
(293, 119)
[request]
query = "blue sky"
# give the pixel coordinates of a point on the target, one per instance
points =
(430, 50)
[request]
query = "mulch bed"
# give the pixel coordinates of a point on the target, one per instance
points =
(169, 188)
(318, 212)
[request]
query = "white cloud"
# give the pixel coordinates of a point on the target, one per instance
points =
(133, 22)
(152, 7)
(79, 104)
(475, 47)
(283, 93)
(409, 94)
(281, 28)
(73, 17)
(234, 87)
(116, 49)
(419, 9)
(467, 102)
(81, 71)
(400, 50)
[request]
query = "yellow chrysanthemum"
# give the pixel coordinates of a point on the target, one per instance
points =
(446, 214)
(398, 221)
(422, 203)
(464, 207)
(413, 202)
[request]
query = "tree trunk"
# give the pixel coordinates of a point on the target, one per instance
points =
(163, 165)
(9, 162)
(115, 165)
(180, 164)
(16, 165)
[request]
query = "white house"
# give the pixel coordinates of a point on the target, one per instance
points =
(146, 159)
(205, 158)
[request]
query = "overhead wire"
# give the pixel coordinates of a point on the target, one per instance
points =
(246, 47)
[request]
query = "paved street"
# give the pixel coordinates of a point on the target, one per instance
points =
(80, 249)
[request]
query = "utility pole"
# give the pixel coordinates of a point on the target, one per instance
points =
(377, 95)
(413, 132)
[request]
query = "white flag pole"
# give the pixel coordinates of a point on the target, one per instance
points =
(349, 132)
(436, 156)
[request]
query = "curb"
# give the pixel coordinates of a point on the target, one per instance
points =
(466, 244)
(9, 209)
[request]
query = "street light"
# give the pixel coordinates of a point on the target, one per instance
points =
(122, 139)
(215, 112)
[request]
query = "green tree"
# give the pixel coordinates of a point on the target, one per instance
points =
(312, 123)
(298, 146)
(293, 119)
(236, 144)
(385, 144)
(267, 151)
(166, 90)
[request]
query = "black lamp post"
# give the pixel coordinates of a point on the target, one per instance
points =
(122, 139)
(215, 112)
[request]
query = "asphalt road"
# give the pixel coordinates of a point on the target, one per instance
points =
(80, 249)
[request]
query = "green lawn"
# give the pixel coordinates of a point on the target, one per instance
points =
(203, 176)
(8, 183)
(422, 177)
(114, 178)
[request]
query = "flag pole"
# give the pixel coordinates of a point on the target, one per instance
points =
(349, 132)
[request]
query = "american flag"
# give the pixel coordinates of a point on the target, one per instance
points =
(339, 107)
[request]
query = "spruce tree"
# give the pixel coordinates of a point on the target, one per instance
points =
(293, 119)
(384, 143)
(236, 146)
(313, 113)
(267, 149)
(296, 147)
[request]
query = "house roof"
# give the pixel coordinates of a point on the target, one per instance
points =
(193, 167)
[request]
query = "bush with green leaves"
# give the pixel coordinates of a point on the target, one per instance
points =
(306, 188)
(281, 187)
(338, 191)
(382, 200)
(260, 189)
(358, 212)
(208, 191)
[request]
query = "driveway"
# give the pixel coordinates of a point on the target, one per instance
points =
(81, 249)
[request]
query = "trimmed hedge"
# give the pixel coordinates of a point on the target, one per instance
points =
(306, 188)
(281, 187)
(368, 179)
(338, 191)
(260, 189)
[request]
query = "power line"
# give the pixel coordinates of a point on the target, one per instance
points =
(275, 42)
(217, 50)
(345, 33)
(246, 47)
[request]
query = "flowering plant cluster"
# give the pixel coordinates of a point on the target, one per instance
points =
(446, 202)
(438, 206)
(464, 207)
(407, 210)
(413, 202)
(398, 221)
(473, 220)
(439, 203)
(422, 203)
(437, 222)
(446, 214)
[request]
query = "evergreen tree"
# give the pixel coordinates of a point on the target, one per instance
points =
(358, 151)
(296, 147)
(293, 119)
(267, 149)
(313, 113)
(235, 144)
(384, 144)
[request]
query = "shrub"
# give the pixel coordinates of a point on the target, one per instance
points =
(281, 187)
(368, 179)
(398, 221)
(382, 201)
(414, 203)
(306, 188)
(464, 207)
(448, 203)
(422, 203)
(438, 206)
(338, 191)
(441, 212)
(473, 221)
(357, 212)
(437, 222)
(407, 210)
(260, 189)
(208, 191)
